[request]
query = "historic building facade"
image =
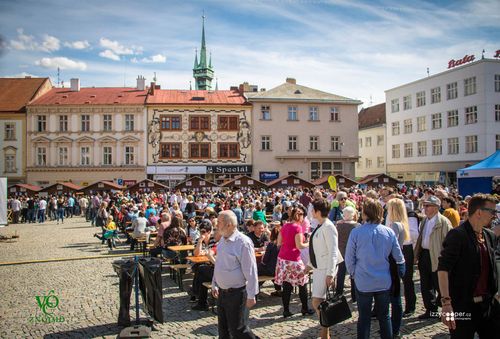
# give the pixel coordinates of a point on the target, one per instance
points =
(372, 141)
(15, 94)
(303, 131)
(84, 135)
(204, 133)
(441, 123)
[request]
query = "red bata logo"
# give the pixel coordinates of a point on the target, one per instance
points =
(497, 54)
(468, 58)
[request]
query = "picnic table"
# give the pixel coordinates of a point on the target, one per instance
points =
(179, 248)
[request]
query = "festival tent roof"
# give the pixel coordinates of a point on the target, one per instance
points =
(489, 167)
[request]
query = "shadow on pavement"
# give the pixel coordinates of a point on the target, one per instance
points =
(87, 332)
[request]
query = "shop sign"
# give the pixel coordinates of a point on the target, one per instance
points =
(467, 58)
(266, 176)
(230, 169)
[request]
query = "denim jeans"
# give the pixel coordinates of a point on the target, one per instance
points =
(396, 313)
(382, 301)
(41, 216)
(60, 214)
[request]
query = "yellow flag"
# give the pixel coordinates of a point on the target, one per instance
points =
(333, 182)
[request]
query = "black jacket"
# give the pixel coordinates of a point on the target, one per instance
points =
(460, 257)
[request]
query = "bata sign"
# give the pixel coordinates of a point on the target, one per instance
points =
(453, 63)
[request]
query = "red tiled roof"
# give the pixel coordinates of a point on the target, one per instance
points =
(372, 116)
(370, 177)
(15, 93)
(112, 184)
(29, 187)
(185, 97)
(271, 183)
(93, 96)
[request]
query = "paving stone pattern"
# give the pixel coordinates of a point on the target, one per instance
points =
(88, 294)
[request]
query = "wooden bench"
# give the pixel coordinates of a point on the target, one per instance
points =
(211, 300)
(177, 271)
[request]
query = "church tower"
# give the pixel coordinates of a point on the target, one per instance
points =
(203, 73)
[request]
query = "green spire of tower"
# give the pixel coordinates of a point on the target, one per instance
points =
(202, 73)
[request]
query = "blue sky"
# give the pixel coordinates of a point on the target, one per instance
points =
(356, 49)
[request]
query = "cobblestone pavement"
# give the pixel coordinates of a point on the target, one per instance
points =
(88, 294)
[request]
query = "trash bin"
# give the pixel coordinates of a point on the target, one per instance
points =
(151, 286)
(125, 270)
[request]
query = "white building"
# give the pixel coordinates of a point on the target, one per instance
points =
(444, 122)
(372, 140)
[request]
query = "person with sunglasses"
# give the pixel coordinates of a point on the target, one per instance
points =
(467, 274)
(338, 205)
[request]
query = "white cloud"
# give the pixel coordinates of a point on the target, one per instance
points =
(26, 42)
(110, 55)
(83, 44)
(50, 43)
(154, 59)
(118, 48)
(62, 63)
(20, 75)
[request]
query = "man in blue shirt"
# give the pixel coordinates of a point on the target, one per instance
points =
(367, 260)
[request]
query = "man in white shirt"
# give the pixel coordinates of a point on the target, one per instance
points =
(42, 206)
(15, 205)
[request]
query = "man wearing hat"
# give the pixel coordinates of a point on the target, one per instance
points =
(433, 230)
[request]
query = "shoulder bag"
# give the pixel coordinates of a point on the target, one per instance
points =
(333, 310)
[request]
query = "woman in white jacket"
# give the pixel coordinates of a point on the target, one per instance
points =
(324, 256)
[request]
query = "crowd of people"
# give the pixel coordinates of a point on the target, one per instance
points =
(376, 236)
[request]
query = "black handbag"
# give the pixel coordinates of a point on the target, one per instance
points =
(333, 310)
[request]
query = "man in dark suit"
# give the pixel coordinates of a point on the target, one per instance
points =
(467, 274)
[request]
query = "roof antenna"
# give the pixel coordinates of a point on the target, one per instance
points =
(428, 74)
(482, 56)
(58, 76)
(190, 88)
(154, 78)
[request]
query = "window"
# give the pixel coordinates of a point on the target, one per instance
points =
(129, 155)
(408, 126)
(170, 122)
(437, 147)
(470, 86)
(435, 95)
(470, 115)
(436, 121)
(85, 122)
(199, 150)
(228, 123)
(323, 168)
(265, 113)
(408, 150)
(498, 141)
(451, 91)
(360, 142)
(63, 123)
(41, 156)
(420, 124)
(42, 123)
(497, 82)
(368, 142)
(313, 113)
(335, 143)
(314, 143)
(129, 122)
(107, 122)
(315, 170)
(368, 163)
(199, 123)
(107, 155)
(63, 156)
(497, 112)
(380, 162)
(407, 102)
(229, 150)
(292, 113)
(334, 114)
(396, 151)
(10, 163)
(395, 128)
(453, 118)
(394, 105)
(421, 99)
(85, 156)
(422, 148)
(453, 146)
(10, 131)
(471, 144)
(380, 140)
(265, 143)
(170, 150)
(292, 143)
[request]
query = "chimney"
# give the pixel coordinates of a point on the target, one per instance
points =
(152, 89)
(233, 88)
(75, 85)
(291, 81)
(141, 83)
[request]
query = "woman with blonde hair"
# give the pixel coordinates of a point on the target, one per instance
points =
(397, 220)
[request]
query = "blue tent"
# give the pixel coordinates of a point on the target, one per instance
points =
(478, 178)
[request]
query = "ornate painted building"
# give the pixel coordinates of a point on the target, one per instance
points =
(84, 135)
(15, 94)
(204, 133)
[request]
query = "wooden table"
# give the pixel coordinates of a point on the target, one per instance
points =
(179, 248)
(198, 259)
